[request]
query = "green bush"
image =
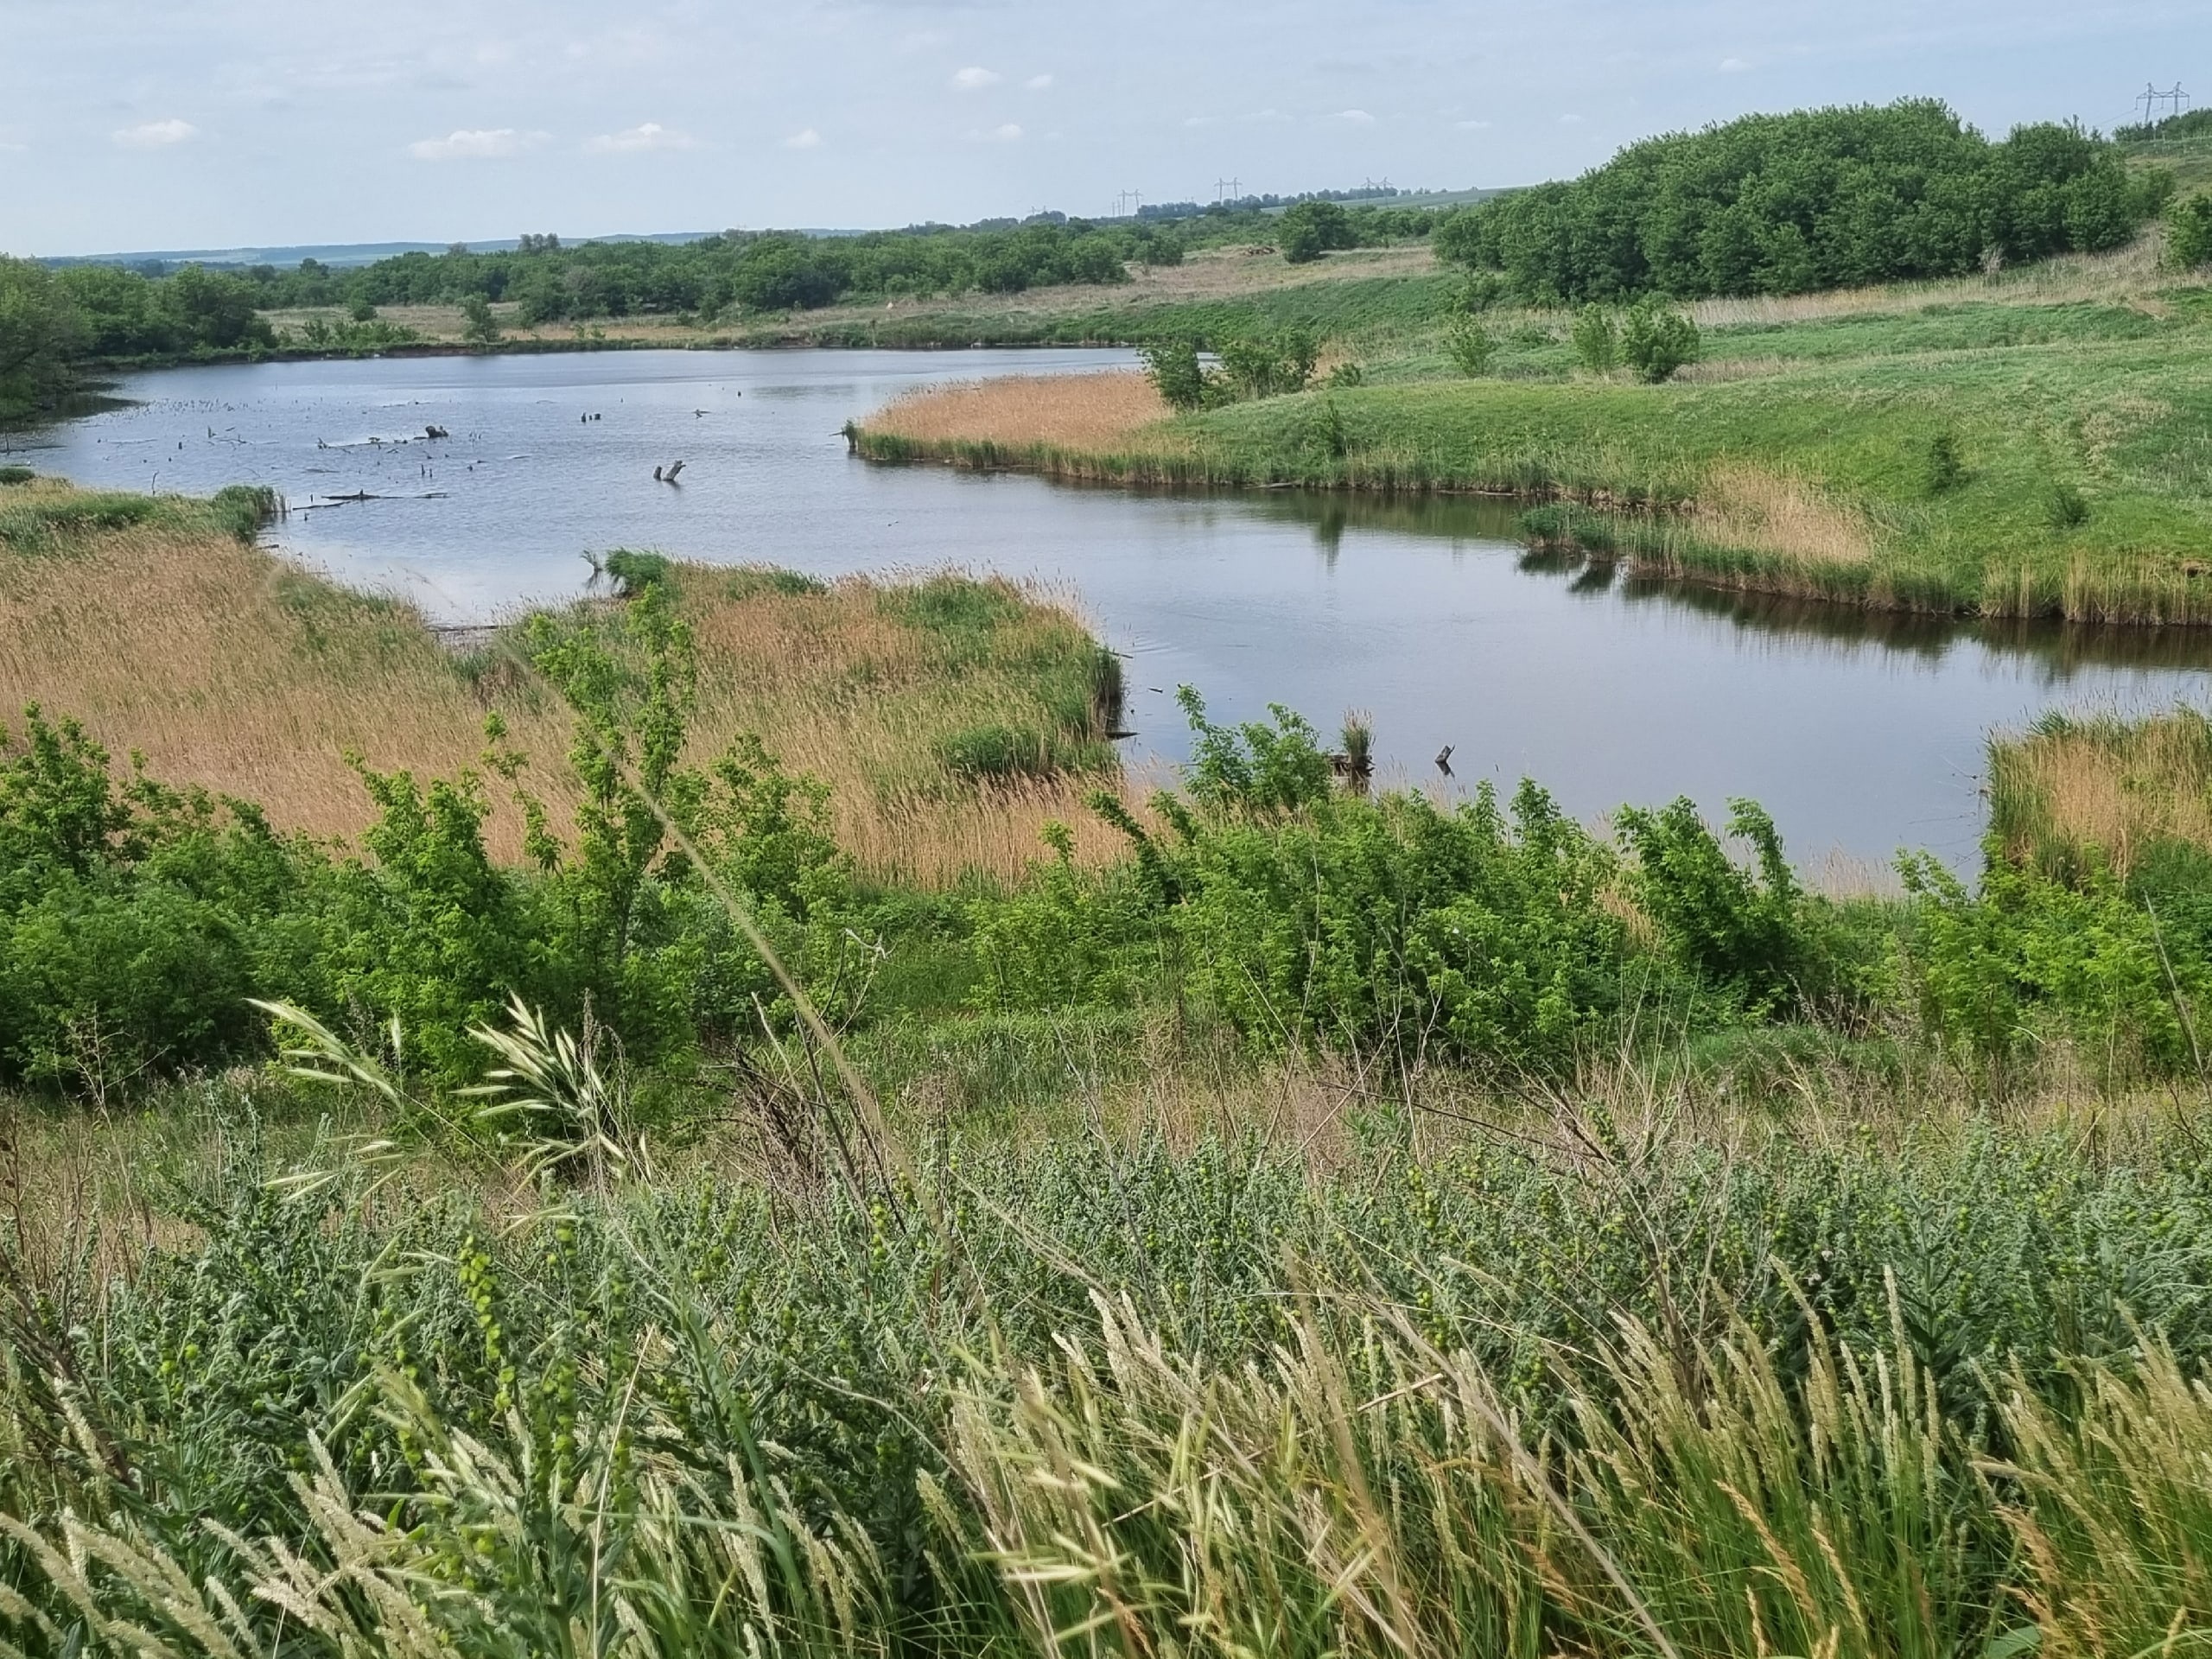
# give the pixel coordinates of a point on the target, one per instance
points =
(12, 473)
(245, 508)
(1657, 339)
(2189, 232)
(633, 571)
(1177, 374)
(1597, 339)
(2065, 507)
(1309, 229)
(1731, 926)
(479, 326)
(1269, 365)
(1469, 345)
(1944, 466)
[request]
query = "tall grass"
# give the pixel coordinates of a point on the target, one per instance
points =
(2071, 791)
(230, 669)
(1554, 1386)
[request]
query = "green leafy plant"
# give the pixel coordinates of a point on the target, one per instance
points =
(1470, 347)
(478, 327)
(1269, 365)
(1945, 465)
(1597, 339)
(1176, 372)
(2189, 232)
(1657, 339)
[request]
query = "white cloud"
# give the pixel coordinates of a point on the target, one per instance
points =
(155, 135)
(1733, 65)
(974, 77)
(1355, 117)
(477, 144)
(1009, 134)
(805, 138)
(1570, 120)
(1471, 126)
(1037, 83)
(635, 140)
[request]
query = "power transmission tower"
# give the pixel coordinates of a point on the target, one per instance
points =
(2175, 99)
(1228, 189)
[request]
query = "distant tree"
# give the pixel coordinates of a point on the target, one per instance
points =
(362, 311)
(212, 309)
(1597, 339)
(478, 327)
(1311, 229)
(1657, 339)
(1779, 204)
(2189, 232)
(39, 336)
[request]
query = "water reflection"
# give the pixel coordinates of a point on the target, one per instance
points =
(2065, 647)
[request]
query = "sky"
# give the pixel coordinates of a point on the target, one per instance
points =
(129, 124)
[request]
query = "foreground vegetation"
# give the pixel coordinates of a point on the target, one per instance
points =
(168, 634)
(1331, 1222)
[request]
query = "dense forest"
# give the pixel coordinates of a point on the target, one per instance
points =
(53, 320)
(1787, 204)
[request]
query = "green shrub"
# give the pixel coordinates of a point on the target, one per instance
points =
(1597, 339)
(1945, 468)
(245, 508)
(633, 571)
(1657, 339)
(2065, 507)
(1309, 229)
(479, 326)
(1176, 372)
(2189, 232)
(2031, 961)
(1269, 365)
(1733, 928)
(12, 473)
(1469, 345)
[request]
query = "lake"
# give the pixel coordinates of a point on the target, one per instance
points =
(1861, 734)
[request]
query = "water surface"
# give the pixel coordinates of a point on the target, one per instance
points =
(1861, 734)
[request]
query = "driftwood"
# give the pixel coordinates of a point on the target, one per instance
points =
(362, 495)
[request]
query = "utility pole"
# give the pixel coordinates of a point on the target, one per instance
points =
(1228, 189)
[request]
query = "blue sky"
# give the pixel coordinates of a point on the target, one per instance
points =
(126, 124)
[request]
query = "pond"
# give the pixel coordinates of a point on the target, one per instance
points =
(1861, 734)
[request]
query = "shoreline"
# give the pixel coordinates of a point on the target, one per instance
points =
(1648, 534)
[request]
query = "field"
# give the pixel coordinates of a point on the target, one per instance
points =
(1796, 457)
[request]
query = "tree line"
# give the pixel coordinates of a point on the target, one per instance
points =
(1819, 199)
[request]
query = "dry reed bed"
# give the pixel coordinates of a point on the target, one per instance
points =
(229, 668)
(2121, 787)
(1065, 410)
